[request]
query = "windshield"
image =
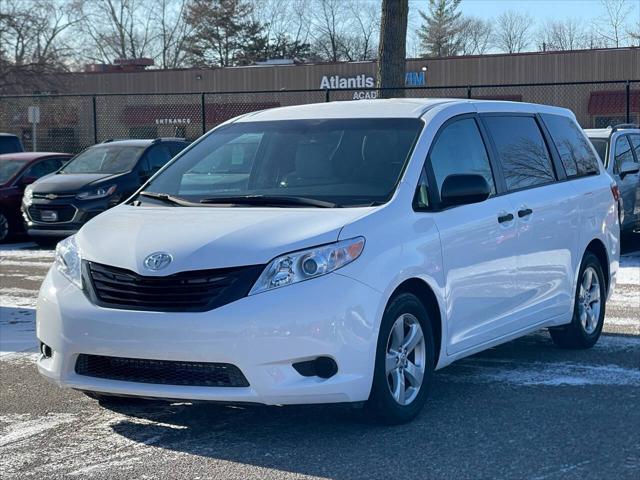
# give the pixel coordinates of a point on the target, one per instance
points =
(601, 147)
(104, 159)
(8, 168)
(352, 162)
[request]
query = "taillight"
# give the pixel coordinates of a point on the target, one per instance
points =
(615, 191)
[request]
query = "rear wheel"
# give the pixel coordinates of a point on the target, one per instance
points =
(589, 308)
(404, 362)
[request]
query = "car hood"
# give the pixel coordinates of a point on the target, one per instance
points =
(70, 182)
(207, 237)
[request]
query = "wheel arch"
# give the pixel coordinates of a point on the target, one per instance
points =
(427, 296)
(598, 248)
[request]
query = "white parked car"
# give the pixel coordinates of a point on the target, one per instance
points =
(338, 252)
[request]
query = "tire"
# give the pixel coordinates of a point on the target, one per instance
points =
(407, 311)
(588, 311)
(6, 229)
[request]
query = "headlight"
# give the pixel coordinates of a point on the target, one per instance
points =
(306, 264)
(28, 194)
(68, 261)
(99, 192)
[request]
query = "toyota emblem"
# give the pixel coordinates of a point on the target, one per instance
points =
(158, 261)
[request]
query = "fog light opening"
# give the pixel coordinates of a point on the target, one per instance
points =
(323, 367)
(45, 350)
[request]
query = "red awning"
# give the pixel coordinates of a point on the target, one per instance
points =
(613, 102)
(188, 113)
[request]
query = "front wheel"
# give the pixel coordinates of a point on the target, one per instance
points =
(588, 310)
(405, 359)
(5, 228)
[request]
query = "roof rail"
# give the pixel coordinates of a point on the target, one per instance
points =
(108, 140)
(169, 139)
(623, 126)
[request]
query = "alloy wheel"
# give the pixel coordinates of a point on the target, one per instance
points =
(589, 301)
(405, 359)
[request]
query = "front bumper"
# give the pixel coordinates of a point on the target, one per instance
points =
(72, 215)
(262, 335)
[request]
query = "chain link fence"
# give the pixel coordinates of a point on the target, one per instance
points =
(70, 123)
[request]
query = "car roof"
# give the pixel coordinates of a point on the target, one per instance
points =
(392, 108)
(2, 134)
(139, 142)
(31, 156)
(606, 132)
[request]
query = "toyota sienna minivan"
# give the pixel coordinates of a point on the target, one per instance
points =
(338, 252)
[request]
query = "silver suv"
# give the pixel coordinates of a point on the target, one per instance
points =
(619, 149)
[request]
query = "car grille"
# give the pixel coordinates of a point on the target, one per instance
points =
(53, 196)
(163, 372)
(65, 212)
(193, 291)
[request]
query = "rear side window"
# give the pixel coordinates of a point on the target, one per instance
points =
(522, 151)
(600, 144)
(157, 156)
(460, 149)
(635, 143)
(622, 153)
(44, 167)
(574, 149)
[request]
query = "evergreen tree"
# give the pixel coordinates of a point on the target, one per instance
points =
(439, 33)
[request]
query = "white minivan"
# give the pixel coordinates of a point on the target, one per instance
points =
(337, 252)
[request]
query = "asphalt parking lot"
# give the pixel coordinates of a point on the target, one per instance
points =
(525, 409)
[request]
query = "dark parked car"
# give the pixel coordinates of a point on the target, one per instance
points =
(98, 178)
(619, 150)
(17, 170)
(10, 143)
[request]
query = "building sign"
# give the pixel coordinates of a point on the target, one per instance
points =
(173, 121)
(336, 81)
(332, 82)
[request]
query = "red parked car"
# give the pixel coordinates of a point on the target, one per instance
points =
(17, 170)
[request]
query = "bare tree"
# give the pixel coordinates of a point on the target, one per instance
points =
(330, 19)
(634, 32)
(393, 45)
(171, 31)
(31, 42)
(365, 27)
(612, 24)
(513, 31)
(287, 33)
(568, 34)
(114, 28)
(475, 36)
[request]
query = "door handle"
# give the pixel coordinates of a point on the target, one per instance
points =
(524, 212)
(505, 218)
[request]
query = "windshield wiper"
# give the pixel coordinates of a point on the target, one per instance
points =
(267, 200)
(166, 198)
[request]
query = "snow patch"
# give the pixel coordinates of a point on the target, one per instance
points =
(17, 328)
(515, 372)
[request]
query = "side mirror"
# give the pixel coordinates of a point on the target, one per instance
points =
(629, 168)
(462, 189)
